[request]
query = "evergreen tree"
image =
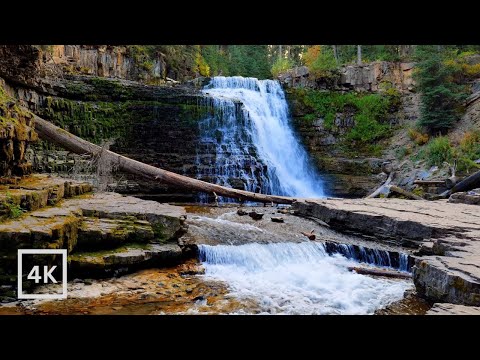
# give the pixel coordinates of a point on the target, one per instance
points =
(440, 95)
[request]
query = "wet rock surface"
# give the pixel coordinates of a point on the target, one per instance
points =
(445, 235)
(212, 225)
(181, 289)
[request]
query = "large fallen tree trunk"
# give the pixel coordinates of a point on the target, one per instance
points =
(469, 183)
(50, 132)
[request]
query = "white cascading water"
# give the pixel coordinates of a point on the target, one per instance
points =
(298, 278)
(250, 134)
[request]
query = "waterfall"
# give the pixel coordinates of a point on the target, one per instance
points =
(298, 278)
(392, 259)
(403, 262)
(248, 143)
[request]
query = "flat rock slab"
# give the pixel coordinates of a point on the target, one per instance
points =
(109, 216)
(93, 222)
(124, 259)
(38, 191)
(453, 309)
(95, 233)
(166, 220)
(53, 228)
(446, 235)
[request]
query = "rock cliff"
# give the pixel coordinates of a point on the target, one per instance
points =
(353, 172)
(153, 124)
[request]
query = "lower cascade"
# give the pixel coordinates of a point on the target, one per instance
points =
(248, 143)
(298, 278)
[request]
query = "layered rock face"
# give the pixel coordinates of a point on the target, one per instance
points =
(367, 77)
(351, 174)
(157, 125)
(108, 61)
(16, 133)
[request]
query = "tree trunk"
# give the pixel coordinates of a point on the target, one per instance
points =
(280, 55)
(469, 183)
(48, 131)
(359, 54)
(335, 53)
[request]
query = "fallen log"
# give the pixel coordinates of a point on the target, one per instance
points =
(380, 272)
(429, 182)
(48, 131)
(469, 183)
(382, 187)
(451, 182)
(408, 194)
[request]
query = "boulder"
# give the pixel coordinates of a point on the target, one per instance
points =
(471, 197)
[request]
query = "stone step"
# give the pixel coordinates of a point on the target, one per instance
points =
(123, 260)
(167, 221)
(95, 234)
(48, 228)
(38, 191)
(98, 221)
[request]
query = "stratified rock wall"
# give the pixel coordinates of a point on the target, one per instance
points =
(366, 77)
(16, 133)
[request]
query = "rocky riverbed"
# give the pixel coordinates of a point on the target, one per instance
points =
(132, 256)
(186, 288)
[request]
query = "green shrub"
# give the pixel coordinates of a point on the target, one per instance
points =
(320, 60)
(369, 111)
(281, 65)
(469, 151)
(402, 152)
(13, 210)
(438, 150)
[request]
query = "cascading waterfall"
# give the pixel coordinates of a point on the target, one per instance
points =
(298, 278)
(247, 141)
(398, 261)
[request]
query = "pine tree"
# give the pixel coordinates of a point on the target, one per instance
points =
(440, 95)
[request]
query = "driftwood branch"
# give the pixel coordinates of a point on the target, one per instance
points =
(380, 272)
(48, 131)
(383, 187)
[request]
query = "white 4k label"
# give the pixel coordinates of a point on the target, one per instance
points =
(41, 274)
(47, 274)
